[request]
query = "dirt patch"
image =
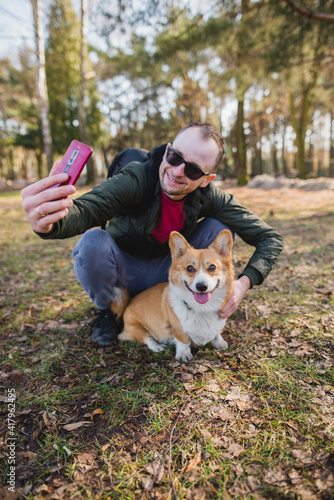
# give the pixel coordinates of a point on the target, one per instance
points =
(266, 181)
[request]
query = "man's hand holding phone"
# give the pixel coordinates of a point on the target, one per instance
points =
(44, 206)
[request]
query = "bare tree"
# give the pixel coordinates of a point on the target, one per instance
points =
(41, 86)
(83, 92)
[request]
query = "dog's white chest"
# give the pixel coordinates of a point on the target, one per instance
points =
(202, 326)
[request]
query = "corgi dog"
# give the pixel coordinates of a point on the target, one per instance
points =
(185, 309)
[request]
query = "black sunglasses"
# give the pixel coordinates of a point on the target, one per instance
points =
(191, 170)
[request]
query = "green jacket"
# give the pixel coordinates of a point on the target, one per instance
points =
(132, 234)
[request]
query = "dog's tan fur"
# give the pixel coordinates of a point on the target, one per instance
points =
(120, 302)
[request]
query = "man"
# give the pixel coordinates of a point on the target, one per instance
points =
(132, 253)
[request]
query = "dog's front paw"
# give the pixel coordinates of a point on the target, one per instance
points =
(219, 343)
(183, 352)
(185, 357)
(154, 345)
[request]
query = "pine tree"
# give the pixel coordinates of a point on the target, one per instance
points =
(64, 78)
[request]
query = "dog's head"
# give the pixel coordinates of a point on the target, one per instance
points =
(202, 272)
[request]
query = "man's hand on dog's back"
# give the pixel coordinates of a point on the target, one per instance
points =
(44, 206)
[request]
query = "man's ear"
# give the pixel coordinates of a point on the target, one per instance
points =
(207, 179)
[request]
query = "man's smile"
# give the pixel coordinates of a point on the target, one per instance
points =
(172, 179)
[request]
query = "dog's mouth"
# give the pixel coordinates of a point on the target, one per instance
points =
(201, 297)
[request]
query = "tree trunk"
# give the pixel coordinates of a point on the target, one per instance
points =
(241, 154)
(300, 126)
(331, 145)
(41, 86)
(283, 154)
(274, 159)
(91, 177)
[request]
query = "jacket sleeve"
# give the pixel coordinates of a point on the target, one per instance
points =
(250, 228)
(99, 205)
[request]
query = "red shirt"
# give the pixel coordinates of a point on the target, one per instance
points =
(171, 218)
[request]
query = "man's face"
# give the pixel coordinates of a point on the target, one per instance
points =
(194, 149)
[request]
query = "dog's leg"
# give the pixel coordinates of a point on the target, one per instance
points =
(219, 343)
(154, 345)
(140, 334)
(183, 352)
(181, 339)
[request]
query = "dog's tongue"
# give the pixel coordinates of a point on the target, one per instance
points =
(201, 298)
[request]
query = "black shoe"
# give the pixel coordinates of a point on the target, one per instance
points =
(106, 328)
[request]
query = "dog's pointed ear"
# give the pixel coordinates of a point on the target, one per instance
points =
(177, 244)
(223, 242)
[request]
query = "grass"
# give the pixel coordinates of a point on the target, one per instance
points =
(252, 422)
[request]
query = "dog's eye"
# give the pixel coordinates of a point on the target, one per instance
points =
(212, 267)
(190, 269)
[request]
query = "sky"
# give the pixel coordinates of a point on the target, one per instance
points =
(16, 27)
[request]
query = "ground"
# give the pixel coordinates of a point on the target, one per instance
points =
(252, 422)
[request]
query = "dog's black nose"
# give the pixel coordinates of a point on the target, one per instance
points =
(202, 287)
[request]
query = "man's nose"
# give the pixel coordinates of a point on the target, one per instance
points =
(179, 170)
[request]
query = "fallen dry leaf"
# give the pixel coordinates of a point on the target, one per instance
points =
(324, 480)
(241, 399)
(212, 387)
(235, 449)
(306, 494)
(294, 477)
(46, 421)
(95, 412)
(156, 469)
(206, 434)
(43, 488)
(221, 412)
(112, 378)
(309, 457)
(276, 477)
(37, 431)
(189, 386)
(52, 324)
(194, 462)
(26, 454)
(76, 425)
(196, 368)
(51, 422)
(238, 470)
(86, 458)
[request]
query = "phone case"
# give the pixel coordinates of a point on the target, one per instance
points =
(74, 161)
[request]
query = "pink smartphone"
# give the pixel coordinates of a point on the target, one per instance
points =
(73, 162)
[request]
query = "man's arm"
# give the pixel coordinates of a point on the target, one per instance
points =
(43, 206)
(251, 229)
(268, 244)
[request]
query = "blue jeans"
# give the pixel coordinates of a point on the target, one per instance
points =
(100, 265)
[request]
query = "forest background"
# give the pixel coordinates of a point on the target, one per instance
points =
(119, 74)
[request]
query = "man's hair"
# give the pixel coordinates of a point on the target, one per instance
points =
(208, 131)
